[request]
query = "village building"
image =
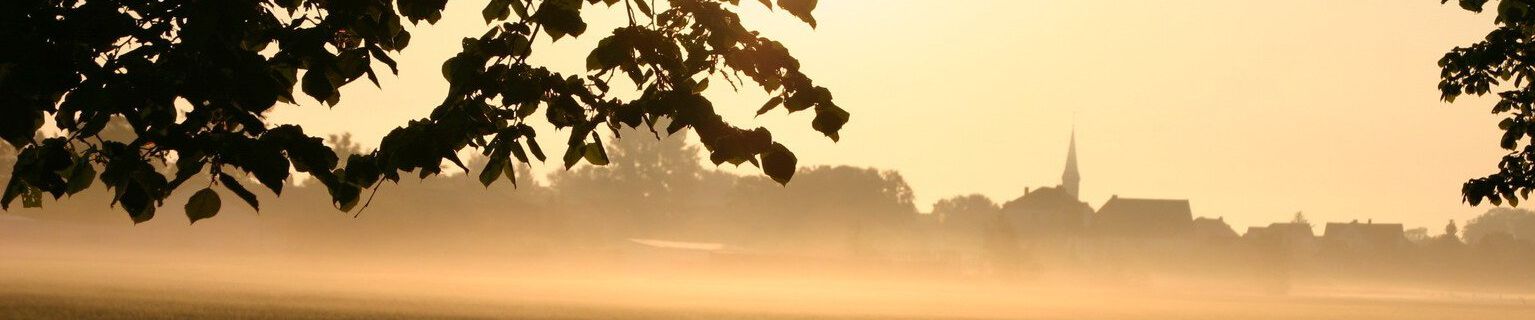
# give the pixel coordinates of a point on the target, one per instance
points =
(1292, 238)
(1208, 230)
(1122, 217)
(1364, 237)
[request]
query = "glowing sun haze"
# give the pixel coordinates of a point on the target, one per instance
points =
(1253, 110)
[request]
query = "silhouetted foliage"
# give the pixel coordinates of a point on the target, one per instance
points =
(967, 213)
(1498, 59)
(966, 219)
(1518, 223)
(194, 78)
(662, 185)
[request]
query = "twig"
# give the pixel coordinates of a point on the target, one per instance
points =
(370, 200)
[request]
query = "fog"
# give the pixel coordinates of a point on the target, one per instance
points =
(658, 235)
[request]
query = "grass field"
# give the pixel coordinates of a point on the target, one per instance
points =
(75, 290)
(43, 276)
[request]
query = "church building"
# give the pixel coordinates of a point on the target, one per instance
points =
(1051, 212)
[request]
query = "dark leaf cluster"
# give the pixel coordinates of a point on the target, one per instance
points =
(193, 79)
(1502, 63)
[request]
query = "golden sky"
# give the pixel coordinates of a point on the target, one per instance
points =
(1253, 110)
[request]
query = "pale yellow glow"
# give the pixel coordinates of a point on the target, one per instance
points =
(1252, 109)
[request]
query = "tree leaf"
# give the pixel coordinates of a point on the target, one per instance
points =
(644, 8)
(14, 188)
(81, 176)
(538, 152)
(829, 120)
(317, 86)
(203, 204)
(800, 9)
(779, 163)
(496, 10)
(574, 154)
(595, 153)
(492, 170)
(234, 186)
(520, 8)
(771, 103)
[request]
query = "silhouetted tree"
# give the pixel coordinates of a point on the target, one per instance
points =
(85, 62)
(1300, 219)
(966, 209)
(829, 205)
(1482, 67)
(661, 185)
(965, 219)
(1517, 223)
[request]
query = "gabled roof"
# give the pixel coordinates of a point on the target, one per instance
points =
(1209, 228)
(1378, 235)
(1282, 233)
(1045, 199)
(1047, 211)
(1144, 217)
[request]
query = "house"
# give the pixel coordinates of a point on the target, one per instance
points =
(1292, 234)
(1049, 212)
(1293, 238)
(1213, 230)
(1369, 236)
(1122, 217)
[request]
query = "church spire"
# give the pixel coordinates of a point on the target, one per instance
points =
(1071, 180)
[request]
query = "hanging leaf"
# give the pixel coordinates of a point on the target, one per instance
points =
(538, 152)
(520, 8)
(779, 163)
(644, 8)
(81, 175)
(240, 191)
(496, 10)
(574, 154)
(492, 170)
(800, 9)
(595, 153)
(203, 204)
(771, 103)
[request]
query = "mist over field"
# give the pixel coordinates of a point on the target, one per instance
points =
(892, 159)
(664, 237)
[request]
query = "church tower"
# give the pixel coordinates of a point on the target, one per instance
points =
(1070, 180)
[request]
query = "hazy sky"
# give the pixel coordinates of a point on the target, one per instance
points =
(1253, 110)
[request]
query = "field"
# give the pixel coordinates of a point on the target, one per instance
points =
(67, 289)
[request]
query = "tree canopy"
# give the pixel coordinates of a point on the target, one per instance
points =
(193, 80)
(1500, 61)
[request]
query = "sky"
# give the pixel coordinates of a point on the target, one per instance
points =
(1252, 110)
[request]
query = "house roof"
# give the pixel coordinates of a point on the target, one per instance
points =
(1122, 216)
(1047, 211)
(1045, 199)
(1367, 234)
(1288, 232)
(1213, 228)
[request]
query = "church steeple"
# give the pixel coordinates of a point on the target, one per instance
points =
(1071, 180)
